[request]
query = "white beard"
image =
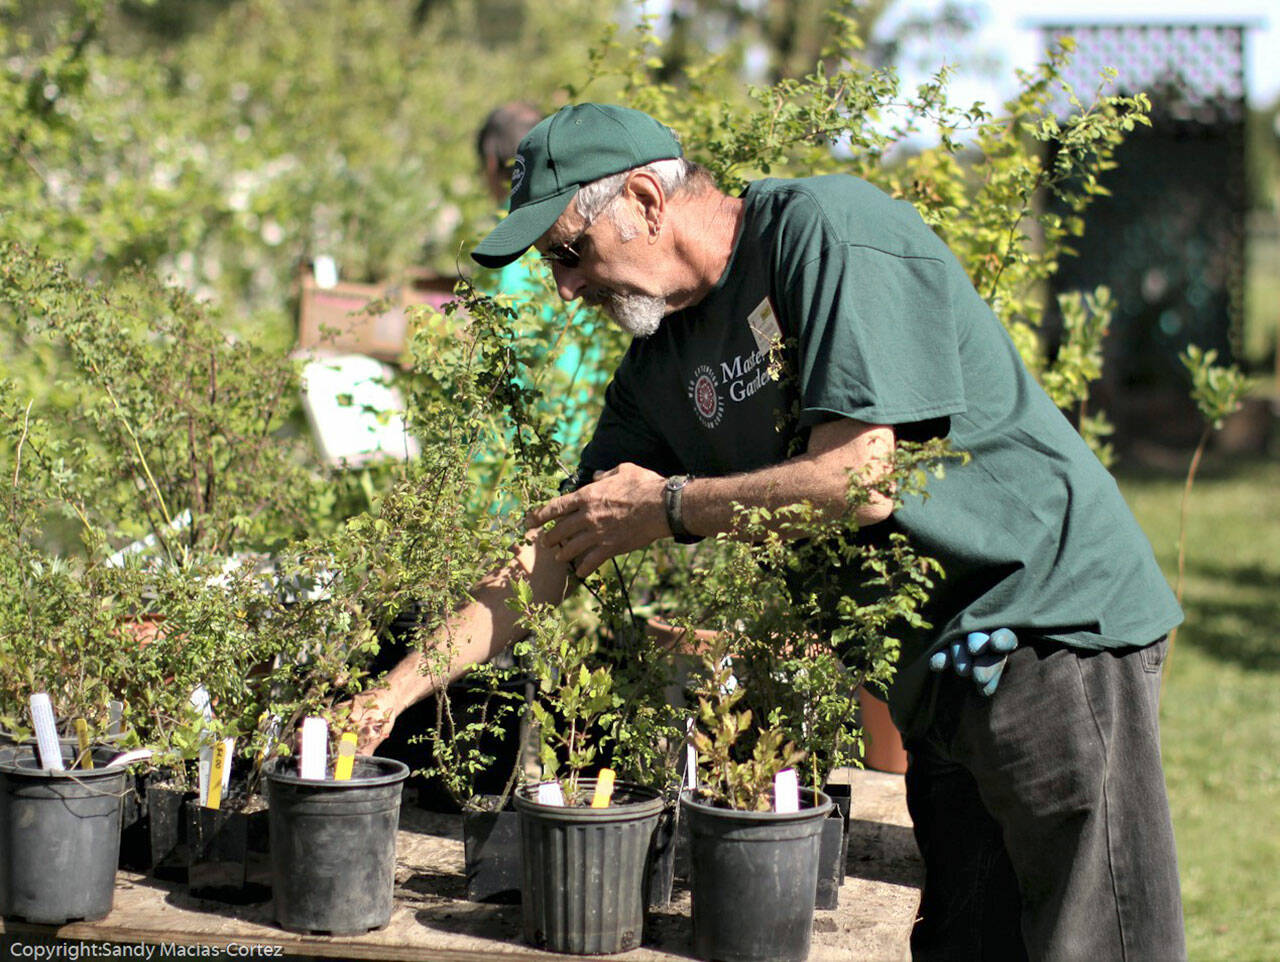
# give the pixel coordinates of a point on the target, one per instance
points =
(637, 314)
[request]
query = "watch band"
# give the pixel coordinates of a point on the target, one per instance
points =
(672, 494)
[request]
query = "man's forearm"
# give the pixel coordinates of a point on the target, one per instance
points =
(820, 476)
(480, 629)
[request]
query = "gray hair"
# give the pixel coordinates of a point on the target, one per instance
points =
(673, 175)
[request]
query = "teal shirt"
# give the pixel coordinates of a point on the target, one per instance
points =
(582, 369)
(1032, 533)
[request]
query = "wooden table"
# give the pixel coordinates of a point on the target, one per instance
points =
(432, 920)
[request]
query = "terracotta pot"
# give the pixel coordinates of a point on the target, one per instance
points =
(882, 741)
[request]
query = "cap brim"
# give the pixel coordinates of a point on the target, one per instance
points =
(517, 233)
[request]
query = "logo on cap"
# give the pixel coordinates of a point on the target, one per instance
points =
(517, 173)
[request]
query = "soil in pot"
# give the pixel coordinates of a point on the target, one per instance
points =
(586, 869)
(333, 846)
(59, 839)
(753, 879)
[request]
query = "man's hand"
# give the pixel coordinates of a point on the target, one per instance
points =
(981, 657)
(373, 714)
(619, 511)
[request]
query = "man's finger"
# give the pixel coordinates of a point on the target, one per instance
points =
(1002, 639)
(988, 689)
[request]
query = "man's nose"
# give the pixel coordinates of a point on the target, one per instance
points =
(569, 281)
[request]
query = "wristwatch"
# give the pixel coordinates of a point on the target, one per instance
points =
(672, 492)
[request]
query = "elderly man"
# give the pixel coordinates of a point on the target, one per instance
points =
(1039, 806)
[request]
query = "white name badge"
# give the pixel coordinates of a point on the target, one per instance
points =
(764, 326)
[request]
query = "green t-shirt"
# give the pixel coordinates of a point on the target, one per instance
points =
(1032, 533)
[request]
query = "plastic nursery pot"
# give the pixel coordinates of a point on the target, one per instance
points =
(491, 848)
(333, 846)
(585, 869)
(226, 851)
(753, 879)
(834, 850)
(883, 750)
(156, 843)
(59, 839)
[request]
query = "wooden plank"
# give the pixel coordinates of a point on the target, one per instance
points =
(433, 921)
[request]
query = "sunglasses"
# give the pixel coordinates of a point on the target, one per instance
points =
(567, 254)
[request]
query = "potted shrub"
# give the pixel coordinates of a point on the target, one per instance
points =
(753, 865)
(586, 849)
(60, 838)
(333, 842)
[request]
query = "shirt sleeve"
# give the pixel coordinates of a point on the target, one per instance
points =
(876, 332)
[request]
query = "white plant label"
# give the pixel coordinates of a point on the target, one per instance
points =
(549, 794)
(46, 732)
(315, 748)
(690, 758)
(128, 758)
(786, 791)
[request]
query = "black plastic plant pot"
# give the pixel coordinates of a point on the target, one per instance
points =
(156, 843)
(662, 868)
(491, 848)
(59, 839)
(226, 854)
(333, 846)
(586, 869)
(753, 879)
(834, 851)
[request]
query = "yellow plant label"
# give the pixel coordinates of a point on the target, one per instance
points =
(604, 789)
(346, 757)
(215, 775)
(82, 739)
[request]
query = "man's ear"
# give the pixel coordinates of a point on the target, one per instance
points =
(647, 193)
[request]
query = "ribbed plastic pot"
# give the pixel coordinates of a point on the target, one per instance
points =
(333, 846)
(752, 879)
(59, 839)
(585, 869)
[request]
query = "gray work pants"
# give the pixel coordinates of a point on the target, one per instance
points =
(1042, 817)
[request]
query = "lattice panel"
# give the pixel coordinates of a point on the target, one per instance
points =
(1169, 241)
(1196, 71)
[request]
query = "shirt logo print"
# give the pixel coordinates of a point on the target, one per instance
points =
(705, 396)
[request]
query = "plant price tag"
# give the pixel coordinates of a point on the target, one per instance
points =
(46, 732)
(786, 791)
(84, 759)
(549, 794)
(315, 748)
(604, 789)
(346, 758)
(216, 767)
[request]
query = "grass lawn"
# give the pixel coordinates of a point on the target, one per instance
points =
(1221, 705)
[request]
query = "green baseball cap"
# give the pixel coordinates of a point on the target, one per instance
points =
(574, 146)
